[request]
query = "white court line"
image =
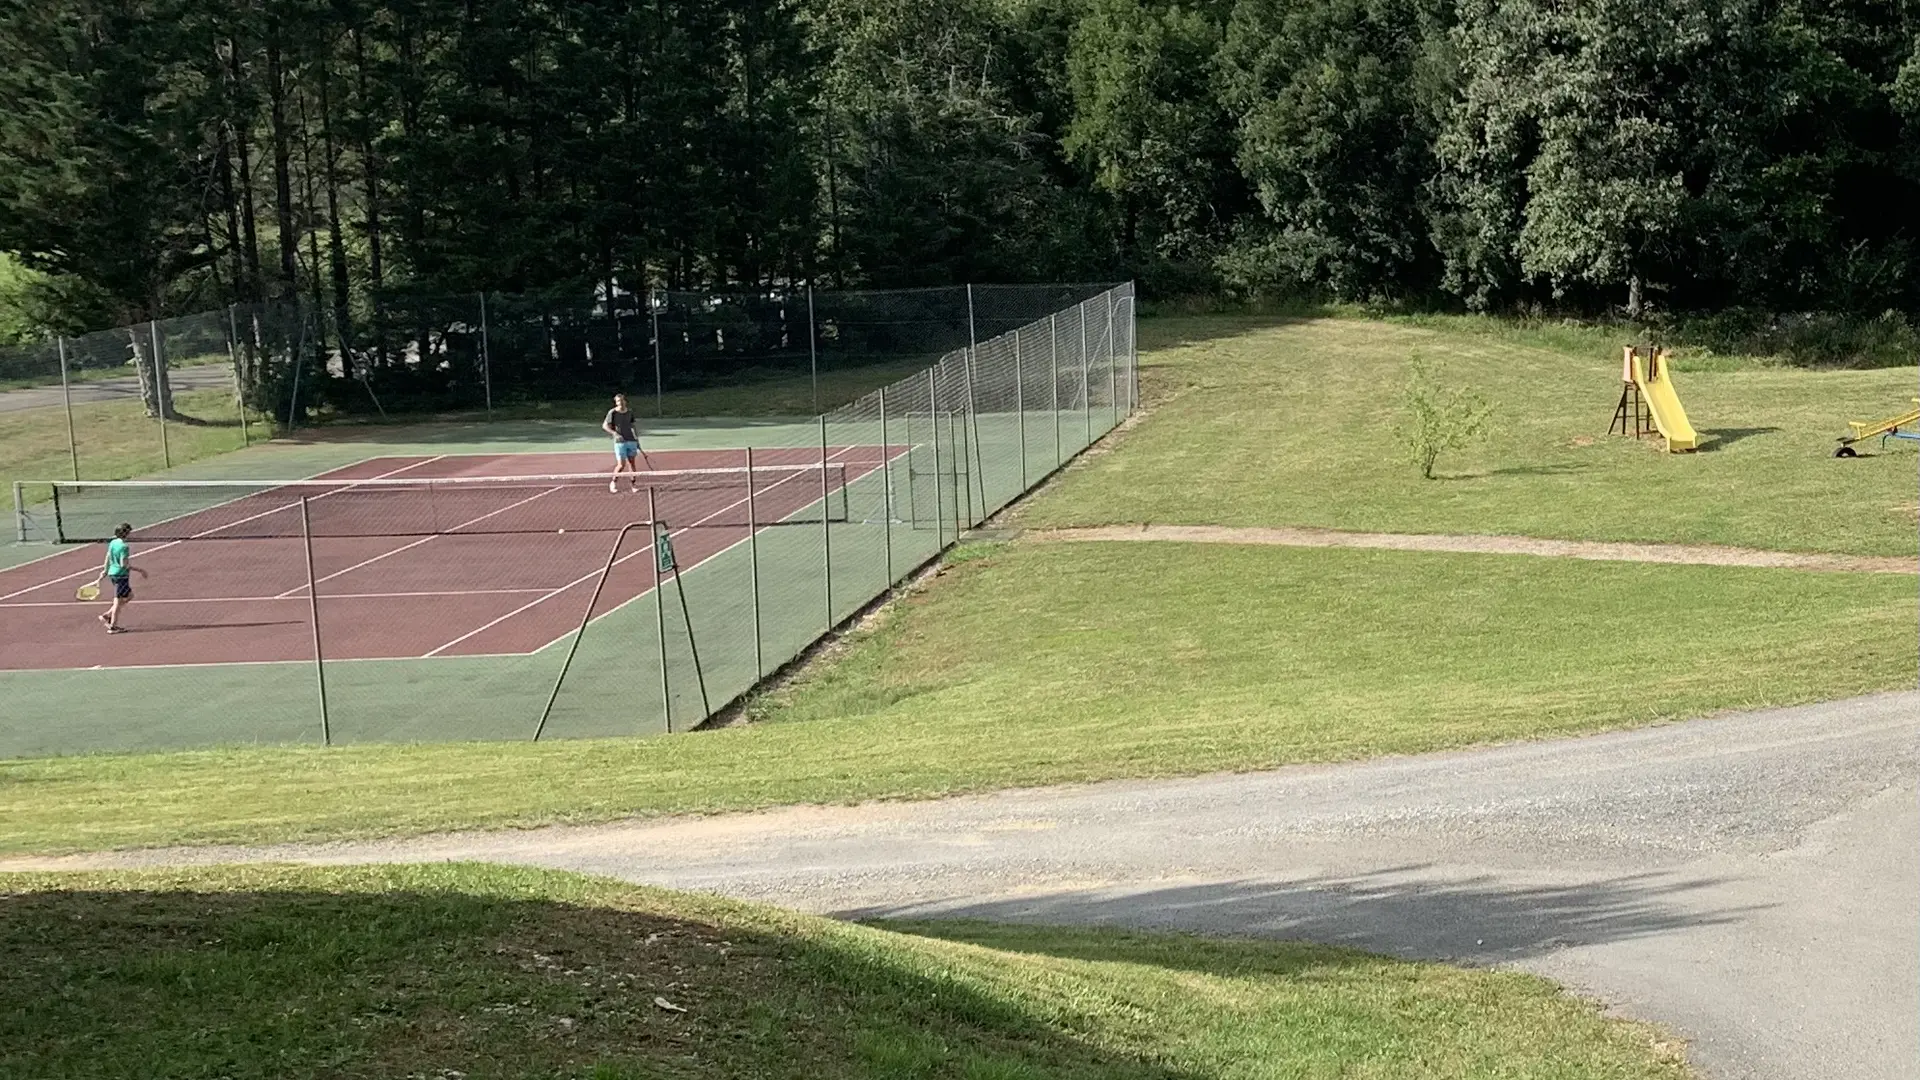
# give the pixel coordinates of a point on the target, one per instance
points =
(344, 485)
(879, 469)
(297, 589)
(280, 599)
(596, 573)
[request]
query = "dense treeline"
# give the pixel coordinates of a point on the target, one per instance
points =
(167, 155)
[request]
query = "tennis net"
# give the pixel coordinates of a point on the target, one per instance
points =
(178, 510)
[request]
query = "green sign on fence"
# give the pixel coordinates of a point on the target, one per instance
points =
(663, 549)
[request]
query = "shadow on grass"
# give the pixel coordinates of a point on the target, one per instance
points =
(1721, 438)
(185, 982)
(1404, 911)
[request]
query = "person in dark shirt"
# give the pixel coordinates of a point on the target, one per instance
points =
(627, 455)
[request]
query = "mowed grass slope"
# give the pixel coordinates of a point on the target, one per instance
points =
(1038, 663)
(458, 970)
(1035, 663)
(1291, 422)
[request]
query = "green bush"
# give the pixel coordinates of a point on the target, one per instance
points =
(1438, 419)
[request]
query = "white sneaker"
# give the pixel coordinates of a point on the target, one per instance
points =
(613, 487)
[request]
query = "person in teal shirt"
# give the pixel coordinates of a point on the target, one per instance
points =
(118, 570)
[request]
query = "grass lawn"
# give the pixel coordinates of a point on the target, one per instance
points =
(116, 440)
(1291, 422)
(458, 970)
(1032, 663)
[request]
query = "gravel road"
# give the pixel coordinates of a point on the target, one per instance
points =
(1750, 881)
(192, 377)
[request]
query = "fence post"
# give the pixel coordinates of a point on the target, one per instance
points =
(933, 416)
(886, 486)
(826, 521)
(313, 607)
(162, 400)
(973, 419)
(753, 569)
(813, 362)
(1113, 366)
(239, 383)
(659, 396)
(1020, 406)
(957, 450)
(659, 605)
(1086, 377)
(486, 356)
(1133, 342)
(1053, 366)
(66, 395)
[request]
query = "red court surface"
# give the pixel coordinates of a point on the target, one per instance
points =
(450, 593)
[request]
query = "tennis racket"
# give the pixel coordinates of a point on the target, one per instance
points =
(88, 591)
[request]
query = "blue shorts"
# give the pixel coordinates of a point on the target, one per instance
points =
(123, 586)
(625, 451)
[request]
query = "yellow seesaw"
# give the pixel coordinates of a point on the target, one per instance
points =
(1904, 426)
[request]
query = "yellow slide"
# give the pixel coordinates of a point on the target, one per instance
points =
(1656, 389)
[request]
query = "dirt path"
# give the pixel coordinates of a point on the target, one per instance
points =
(1689, 554)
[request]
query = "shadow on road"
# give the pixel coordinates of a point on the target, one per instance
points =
(1405, 911)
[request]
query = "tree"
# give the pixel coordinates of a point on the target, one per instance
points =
(1335, 106)
(1149, 133)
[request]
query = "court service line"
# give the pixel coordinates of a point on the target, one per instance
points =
(345, 484)
(297, 589)
(596, 573)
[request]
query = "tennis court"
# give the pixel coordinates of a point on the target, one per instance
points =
(497, 568)
(416, 595)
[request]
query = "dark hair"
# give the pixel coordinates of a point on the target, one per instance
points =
(123, 530)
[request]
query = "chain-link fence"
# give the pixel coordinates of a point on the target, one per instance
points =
(434, 598)
(138, 399)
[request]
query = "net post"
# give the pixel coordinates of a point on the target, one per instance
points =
(933, 417)
(313, 607)
(886, 487)
(161, 400)
(233, 361)
(659, 397)
(66, 397)
(659, 607)
(1053, 366)
(19, 512)
(486, 357)
(813, 362)
(826, 521)
(585, 617)
(59, 524)
(1020, 405)
(1086, 376)
(753, 570)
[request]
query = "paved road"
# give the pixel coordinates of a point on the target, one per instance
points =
(1752, 882)
(193, 377)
